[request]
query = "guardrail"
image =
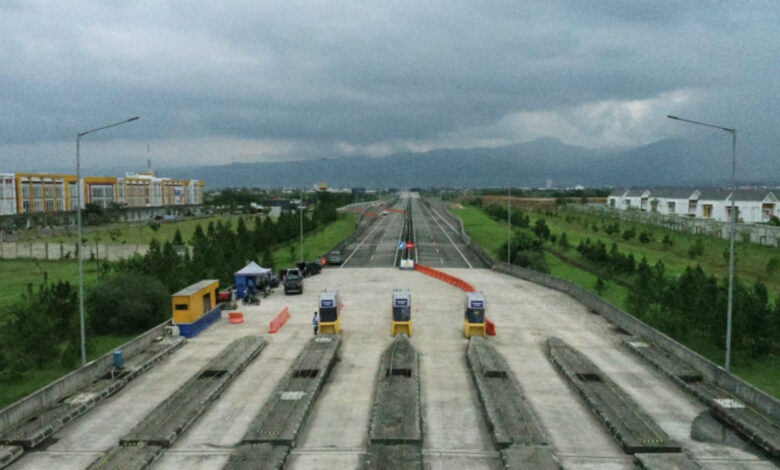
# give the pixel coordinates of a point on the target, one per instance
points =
(69, 383)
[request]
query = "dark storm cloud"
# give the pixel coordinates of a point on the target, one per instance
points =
(226, 81)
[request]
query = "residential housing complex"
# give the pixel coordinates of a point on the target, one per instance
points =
(27, 193)
(752, 205)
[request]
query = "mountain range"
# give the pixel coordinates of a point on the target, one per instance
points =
(669, 162)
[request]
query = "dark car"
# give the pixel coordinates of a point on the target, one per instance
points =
(313, 268)
(293, 281)
(335, 257)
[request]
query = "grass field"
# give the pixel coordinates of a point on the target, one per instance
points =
(317, 243)
(15, 275)
(490, 234)
(134, 234)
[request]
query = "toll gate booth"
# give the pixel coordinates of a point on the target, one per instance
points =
(402, 312)
(195, 307)
(330, 312)
(474, 316)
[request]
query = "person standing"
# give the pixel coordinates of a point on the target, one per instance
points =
(315, 322)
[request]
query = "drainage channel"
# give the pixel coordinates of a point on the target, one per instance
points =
(275, 429)
(395, 431)
(144, 444)
(48, 420)
(744, 419)
(516, 432)
(633, 429)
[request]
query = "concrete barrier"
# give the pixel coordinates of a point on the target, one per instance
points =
(279, 320)
(67, 384)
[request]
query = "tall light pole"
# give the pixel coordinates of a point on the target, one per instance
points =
(508, 226)
(733, 227)
(300, 211)
(78, 225)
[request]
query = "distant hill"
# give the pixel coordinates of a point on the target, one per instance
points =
(670, 162)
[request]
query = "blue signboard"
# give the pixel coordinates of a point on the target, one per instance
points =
(476, 304)
(326, 303)
(401, 302)
(401, 245)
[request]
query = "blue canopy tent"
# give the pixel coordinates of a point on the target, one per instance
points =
(249, 278)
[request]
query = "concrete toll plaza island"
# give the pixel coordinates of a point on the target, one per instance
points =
(461, 415)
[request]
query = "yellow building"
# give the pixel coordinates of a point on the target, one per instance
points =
(100, 190)
(45, 192)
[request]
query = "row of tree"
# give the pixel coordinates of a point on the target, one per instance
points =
(134, 295)
(689, 307)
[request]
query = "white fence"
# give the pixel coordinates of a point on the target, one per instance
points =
(756, 233)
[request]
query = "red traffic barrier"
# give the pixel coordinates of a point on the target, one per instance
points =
(435, 273)
(235, 317)
(279, 320)
(490, 327)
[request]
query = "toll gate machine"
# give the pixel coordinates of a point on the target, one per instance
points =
(402, 312)
(330, 312)
(474, 316)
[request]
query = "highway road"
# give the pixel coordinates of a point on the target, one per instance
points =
(455, 431)
(436, 239)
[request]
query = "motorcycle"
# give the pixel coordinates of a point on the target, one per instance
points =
(251, 299)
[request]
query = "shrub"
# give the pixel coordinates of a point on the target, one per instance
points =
(645, 237)
(127, 303)
(629, 234)
(696, 249)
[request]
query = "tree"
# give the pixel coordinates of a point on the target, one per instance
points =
(177, 239)
(127, 303)
(667, 242)
(600, 286)
(268, 260)
(771, 266)
(696, 249)
(541, 229)
(563, 242)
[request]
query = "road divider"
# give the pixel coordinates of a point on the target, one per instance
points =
(435, 273)
(279, 320)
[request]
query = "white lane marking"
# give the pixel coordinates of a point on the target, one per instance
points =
(376, 226)
(453, 243)
(400, 234)
(444, 220)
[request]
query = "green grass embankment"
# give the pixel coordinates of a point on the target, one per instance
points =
(317, 243)
(763, 373)
(134, 234)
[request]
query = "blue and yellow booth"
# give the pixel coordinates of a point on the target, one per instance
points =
(474, 318)
(195, 307)
(402, 312)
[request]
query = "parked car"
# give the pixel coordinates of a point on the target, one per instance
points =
(335, 257)
(293, 281)
(313, 268)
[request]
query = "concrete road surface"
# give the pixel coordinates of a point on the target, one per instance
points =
(455, 434)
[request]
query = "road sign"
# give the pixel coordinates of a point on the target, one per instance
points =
(401, 245)
(409, 245)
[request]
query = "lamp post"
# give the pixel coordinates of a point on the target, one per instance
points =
(733, 226)
(508, 226)
(300, 211)
(78, 231)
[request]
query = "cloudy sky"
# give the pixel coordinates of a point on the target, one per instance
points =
(217, 82)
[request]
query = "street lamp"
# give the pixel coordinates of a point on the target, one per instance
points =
(508, 226)
(300, 211)
(78, 224)
(733, 227)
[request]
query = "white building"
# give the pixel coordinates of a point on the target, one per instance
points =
(753, 205)
(7, 194)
